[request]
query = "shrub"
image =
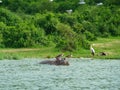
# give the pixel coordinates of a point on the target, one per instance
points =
(90, 36)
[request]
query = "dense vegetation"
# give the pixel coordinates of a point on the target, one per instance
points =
(34, 23)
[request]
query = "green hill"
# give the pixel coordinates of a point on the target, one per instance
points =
(66, 25)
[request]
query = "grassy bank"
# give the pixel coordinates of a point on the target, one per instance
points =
(111, 46)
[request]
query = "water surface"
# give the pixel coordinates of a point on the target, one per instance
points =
(82, 74)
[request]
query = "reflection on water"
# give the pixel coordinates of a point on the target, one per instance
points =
(82, 74)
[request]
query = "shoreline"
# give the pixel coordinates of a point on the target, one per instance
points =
(111, 46)
(13, 57)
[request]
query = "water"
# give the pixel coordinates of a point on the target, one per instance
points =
(82, 74)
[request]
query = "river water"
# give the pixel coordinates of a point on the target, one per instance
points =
(82, 74)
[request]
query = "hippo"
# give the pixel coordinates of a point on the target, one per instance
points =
(54, 62)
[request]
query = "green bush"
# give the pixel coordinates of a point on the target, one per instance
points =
(33, 23)
(90, 36)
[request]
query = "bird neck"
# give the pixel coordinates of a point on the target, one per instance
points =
(91, 46)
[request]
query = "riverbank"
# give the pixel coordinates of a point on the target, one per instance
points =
(111, 46)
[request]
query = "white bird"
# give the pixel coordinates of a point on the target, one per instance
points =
(92, 50)
(69, 11)
(51, 0)
(0, 1)
(81, 2)
(99, 4)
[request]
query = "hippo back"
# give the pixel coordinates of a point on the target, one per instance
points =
(47, 62)
(54, 62)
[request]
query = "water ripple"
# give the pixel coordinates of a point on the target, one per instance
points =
(82, 74)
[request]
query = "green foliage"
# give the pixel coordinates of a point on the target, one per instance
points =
(34, 23)
(89, 36)
(78, 28)
(67, 37)
(2, 27)
(8, 17)
(67, 19)
(18, 33)
(47, 22)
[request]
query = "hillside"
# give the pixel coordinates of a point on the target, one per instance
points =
(65, 25)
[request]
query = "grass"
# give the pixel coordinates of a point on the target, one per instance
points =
(45, 52)
(111, 46)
